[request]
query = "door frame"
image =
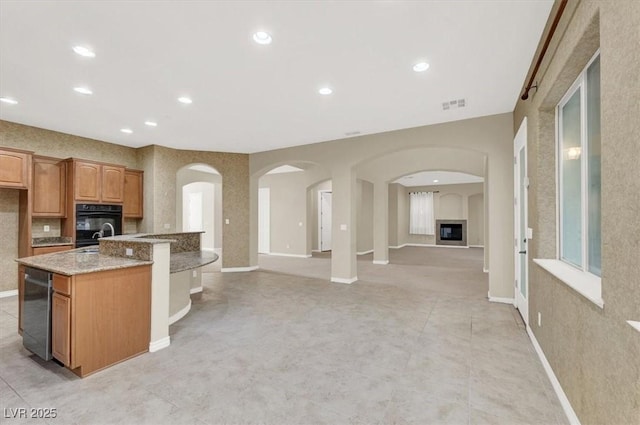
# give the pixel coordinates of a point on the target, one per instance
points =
(266, 216)
(521, 248)
(320, 192)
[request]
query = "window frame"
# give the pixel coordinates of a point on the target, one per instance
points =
(580, 84)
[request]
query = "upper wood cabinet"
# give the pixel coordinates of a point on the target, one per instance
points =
(97, 183)
(15, 166)
(133, 193)
(49, 187)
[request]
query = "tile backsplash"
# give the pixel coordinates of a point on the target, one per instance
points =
(37, 227)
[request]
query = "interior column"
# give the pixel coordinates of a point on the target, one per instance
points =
(380, 223)
(343, 227)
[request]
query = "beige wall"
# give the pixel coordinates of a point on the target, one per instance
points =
(8, 239)
(593, 352)
(475, 225)
(364, 211)
(451, 202)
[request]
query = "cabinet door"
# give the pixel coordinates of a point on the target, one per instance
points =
(14, 169)
(112, 184)
(49, 187)
(87, 182)
(133, 197)
(61, 328)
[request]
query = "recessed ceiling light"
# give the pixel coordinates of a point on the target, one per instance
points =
(325, 91)
(84, 51)
(436, 181)
(8, 100)
(151, 123)
(262, 37)
(420, 67)
(82, 90)
(185, 100)
(126, 130)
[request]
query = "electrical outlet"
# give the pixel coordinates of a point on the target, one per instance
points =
(226, 221)
(128, 251)
(343, 227)
(47, 228)
(539, 319)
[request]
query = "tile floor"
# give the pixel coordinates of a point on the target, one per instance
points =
(414, 342)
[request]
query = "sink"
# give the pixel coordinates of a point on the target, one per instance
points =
(90, 250)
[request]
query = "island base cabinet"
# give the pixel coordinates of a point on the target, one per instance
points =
(61, 328)
(106, 318)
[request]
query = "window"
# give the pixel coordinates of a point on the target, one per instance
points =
(421, 220)
(578, 120)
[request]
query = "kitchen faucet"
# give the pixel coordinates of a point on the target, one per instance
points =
(101, 232)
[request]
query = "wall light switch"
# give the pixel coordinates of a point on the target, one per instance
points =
(226, 221)
(167, 226)
(343, 227)
(539, 319)
(529, 233)
(128, 251)
(47, 228)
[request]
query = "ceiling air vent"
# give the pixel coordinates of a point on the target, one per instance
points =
(454, 104)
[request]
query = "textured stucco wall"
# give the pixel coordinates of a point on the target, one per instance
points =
(593, 352)
(8, 239)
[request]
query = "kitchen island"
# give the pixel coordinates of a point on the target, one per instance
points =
(117, 300)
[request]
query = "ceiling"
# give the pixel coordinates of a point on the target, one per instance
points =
(437, 178)
(249, 97)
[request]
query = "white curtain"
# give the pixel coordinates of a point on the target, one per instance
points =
(421, 220)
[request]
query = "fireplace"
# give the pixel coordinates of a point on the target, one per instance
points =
(451, 232)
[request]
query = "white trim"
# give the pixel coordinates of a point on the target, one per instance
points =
(195, 290)
(10, 293)
(564, 401)
(208, 249)
(320, 192)
(315, 250)
(636, 325)
(238, 269)
(282, 254)
(159, 344)
(474, 246)
(341, 280)
(500, 299)
(365, 252)
(398, 246)
(381, 262)
(180, 314)
(586, 284)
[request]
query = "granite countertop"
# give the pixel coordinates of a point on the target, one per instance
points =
(76, 261)
(182, 261)
(51, 241)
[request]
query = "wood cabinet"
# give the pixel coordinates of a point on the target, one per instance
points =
(15, 166)
(100, 319)
(41, 250)
(49, 187)
(61, 328)
(94, 182)
(133, 193)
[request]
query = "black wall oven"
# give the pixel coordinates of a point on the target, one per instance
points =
(93, 220)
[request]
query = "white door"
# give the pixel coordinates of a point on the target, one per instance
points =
(264, 220)
(194, 214)
(521, 183)
(325, 221)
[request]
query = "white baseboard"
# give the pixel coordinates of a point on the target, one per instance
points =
(179, 315)
(564, 401)
(485, 270)
(195, 290)
(476, 246)
(365, 252)
(10, 293)
(159, 344)
(398, 247)
(341, 280)
(315, 250)
(282, 254)
(419, 244)
(238, 269)
(381, 262)
(501, 300)
(450, 246)
(208, 249)
(634, 324)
